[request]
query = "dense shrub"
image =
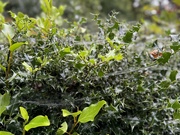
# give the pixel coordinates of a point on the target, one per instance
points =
(46, 68)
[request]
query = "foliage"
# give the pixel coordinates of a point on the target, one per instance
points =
(86, 115)
(45, 67)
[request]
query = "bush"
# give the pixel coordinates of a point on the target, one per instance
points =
(46, 68)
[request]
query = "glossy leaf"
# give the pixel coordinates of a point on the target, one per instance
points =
(24, 113)
(89, 113)
(111, 36)
(5, 133)
(15, 46)
(4, 102)
(173, 75)
(62, 129)
(38, 121)
(67, 113)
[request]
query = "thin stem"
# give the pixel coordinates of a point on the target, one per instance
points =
(23, 132)
(74, 125)
(9, 60)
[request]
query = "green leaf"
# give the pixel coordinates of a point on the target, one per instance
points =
(176, 105)
(92, 61)
(67, 113)
(15, 46)
(65, 51)
(128, 37)
(176, 115)
(46, 6)
(5, 133)
(173, 74)
(175, 47)
(8, 31)
(79, 65)
(38, 121)
(2, 6)
(115, 26)
(27, 67)
(111, 36)
(61, 9)
(100, 73)
(3, 68)
(118, 57)
(83, 54)
(136, 27)
(89, 113)
(62, 129)
(24, 113)
(165, 84)
(140, 88)
(4, 102)
(165, 58)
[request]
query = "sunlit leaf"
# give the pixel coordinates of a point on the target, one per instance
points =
(62, 129)
(65, 51)
(38, 121)
(24, 113)
(5, 133)
(61, 9)
(46, 5)
(92, 61)
(89, 113)
(13, 47)
(67, 113)
(29, 68)
(83, 53)
(118, 57)
(8, 31)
